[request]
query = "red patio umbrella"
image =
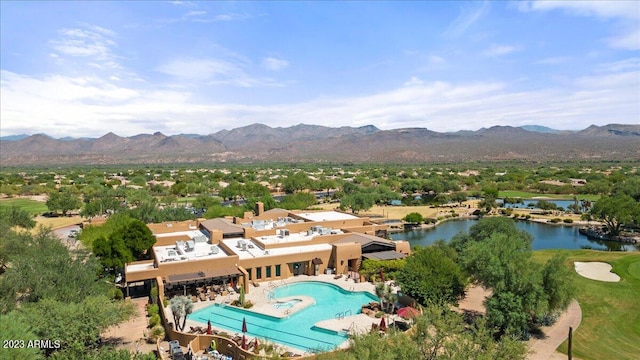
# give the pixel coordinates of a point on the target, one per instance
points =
(232, 284)
(383, 325)
(209, 332)
(244, 342)
(244, 325)
(408, 312)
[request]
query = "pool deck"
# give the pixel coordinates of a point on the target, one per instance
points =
(354, 324)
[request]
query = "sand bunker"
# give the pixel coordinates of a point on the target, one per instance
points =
(596, 271)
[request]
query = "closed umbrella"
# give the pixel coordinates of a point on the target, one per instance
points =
(244, 325)
(244, 342)
(209, 331)
(383, 325)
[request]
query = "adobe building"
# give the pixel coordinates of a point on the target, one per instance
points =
(262, 246)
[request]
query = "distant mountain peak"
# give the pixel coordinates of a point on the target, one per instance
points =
(540, 129)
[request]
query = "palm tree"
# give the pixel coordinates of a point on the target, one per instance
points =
(390, 298)
(181, 307)
(380, 293)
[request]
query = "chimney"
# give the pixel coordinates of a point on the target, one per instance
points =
(259, 208)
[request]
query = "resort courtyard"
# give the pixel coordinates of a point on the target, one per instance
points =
(269, 318)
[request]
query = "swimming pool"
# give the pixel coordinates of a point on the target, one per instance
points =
(296, 330)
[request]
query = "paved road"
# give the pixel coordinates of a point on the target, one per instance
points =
(70, 241)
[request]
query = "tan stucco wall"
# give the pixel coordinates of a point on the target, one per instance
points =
(342, 253)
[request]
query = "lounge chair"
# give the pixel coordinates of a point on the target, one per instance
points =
(337, 277)
(255, 284)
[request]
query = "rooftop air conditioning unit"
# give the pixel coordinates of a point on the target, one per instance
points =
(190, 245)
(215, 250)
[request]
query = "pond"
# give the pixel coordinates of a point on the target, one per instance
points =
(544, 236)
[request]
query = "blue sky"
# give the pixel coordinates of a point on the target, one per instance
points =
(86, 68)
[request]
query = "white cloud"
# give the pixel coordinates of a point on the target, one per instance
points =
(231, 17)
(274, 64)
(627, 41)
(196, 13)
(626, 13)
(214, 71)
(499, 50)
(604, 9)
(414, 81)
(90, 106)
(92, 42)
(469, 14)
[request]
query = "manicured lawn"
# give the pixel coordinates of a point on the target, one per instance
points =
(529, 195)
(610, 327)
(32, 206)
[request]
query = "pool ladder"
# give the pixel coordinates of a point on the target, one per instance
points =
(269, 294)
(343, 314)
(275, 285)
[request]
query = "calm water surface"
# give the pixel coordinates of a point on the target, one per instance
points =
(544, 236)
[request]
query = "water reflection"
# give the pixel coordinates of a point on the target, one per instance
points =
(544, 236)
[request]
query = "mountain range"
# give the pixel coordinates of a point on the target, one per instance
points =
(259, 143)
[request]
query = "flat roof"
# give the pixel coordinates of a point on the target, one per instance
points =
(139, 267)
(190, 233)
(201, 251)
(325, 216)
(252, 250)
(202, 275)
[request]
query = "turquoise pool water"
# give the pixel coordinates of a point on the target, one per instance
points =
(297, 330)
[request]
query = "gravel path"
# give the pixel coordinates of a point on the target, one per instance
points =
(545, 348)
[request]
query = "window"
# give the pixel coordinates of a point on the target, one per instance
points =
(277, 270)
(268, 271)
(249, 272)
(259, 273)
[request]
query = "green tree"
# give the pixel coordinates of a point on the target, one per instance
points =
(498, 255)
(15, 216)
(300, 200)
(432, 275)
(615, 211)
(137, 236)
(414, 217)
(43, 268)
(358, 201)
(63, 201)
(76, 324)
(13, 327)
(557, 283)
(296, 182)
(204, 201)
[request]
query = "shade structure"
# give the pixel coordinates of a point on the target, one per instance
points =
(244, 325)
(244, 342)
(209, 331)
(383, 325)
(408, 312)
